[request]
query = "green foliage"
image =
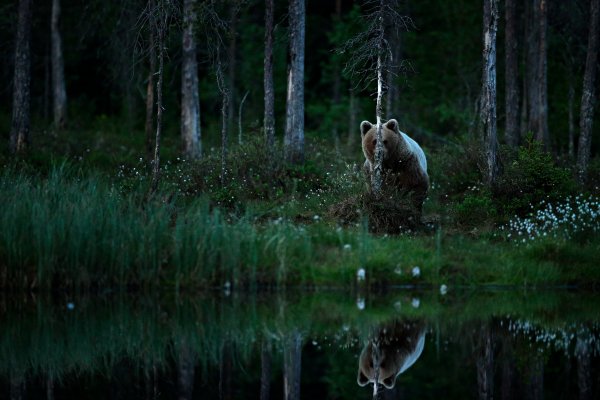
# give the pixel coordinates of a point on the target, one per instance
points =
(529, 179)
(476, 208)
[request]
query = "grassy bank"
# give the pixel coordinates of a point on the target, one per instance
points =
(74, 230)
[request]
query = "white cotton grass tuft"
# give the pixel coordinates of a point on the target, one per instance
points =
(562, 220)
(416, 272)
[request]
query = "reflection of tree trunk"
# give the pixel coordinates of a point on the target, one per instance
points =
(185, 371)
(535, 375)
(508, 372)
(584, 377)
(17, 387)
(226, 365)
(49, 388)
(150, 383)
(485, 363)
(265, 375)
(292, 353)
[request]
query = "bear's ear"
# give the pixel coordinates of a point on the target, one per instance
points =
(362, 380)
(392, 125)
(389, 382)
(364, 127)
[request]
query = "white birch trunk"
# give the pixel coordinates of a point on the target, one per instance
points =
(59, 93)
(190, 101)
(294, 130)
(377, 172)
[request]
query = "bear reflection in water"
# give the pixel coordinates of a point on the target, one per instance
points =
(400, 344)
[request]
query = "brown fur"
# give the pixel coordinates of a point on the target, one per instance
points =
(401, 167)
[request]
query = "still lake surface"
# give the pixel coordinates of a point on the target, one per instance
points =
(310, 345)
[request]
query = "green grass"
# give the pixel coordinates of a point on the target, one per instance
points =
(76, 230)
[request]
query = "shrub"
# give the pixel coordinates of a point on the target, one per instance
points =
(476, 208)
(528, 180)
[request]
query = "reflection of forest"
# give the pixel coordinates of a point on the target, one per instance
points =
(294, 346)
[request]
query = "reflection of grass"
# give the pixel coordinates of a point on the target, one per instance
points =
(70, 230)
(44, 336)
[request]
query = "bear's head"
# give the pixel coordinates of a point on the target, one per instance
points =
(388, 368)
(390, 135)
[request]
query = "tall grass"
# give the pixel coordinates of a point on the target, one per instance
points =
(68, 230)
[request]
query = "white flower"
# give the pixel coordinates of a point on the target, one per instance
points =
(416, 272)
(347, 247)
(360, 274)
(415, 303)
(443, 290)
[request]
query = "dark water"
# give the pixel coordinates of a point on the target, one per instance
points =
(504, 345)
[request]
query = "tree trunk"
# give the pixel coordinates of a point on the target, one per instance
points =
(19, 129)
(190, 101)
(292, 361)
(511, 71)
(487, 116)
(150, 85)
(161, 31)
(269, 117)
(377, 172)
(537, 73)
(59, 93)
(265, 375)
(586, 118)
(224, 114)
(352, 124)
(337, 81)
(241, 108)
(571, 105)
(294, 129)
(231, 61)
(584, 377)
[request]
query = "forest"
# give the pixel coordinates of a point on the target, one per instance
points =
(219, 143)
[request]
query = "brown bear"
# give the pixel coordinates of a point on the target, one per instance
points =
(404, 163)
(400, 344)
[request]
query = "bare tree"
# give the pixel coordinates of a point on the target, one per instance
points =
(19, 129)
(190, 101)
(511, 131)
(487, 109)
(150, 84)
(234, 6)
(269, 117)
(214, 29)
(294, 124)
(161, 24)
(586, 119)
(370, 50)
(59, 93)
